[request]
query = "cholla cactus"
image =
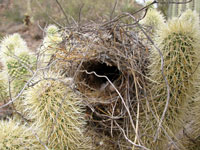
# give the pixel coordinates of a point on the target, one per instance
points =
(153, 19)
(190, 16)
(15, 55)
(191, 137)
(3, 87)
(12, 45)
(14, 136)
(17, 60)
(148, 2)
(179, 44)
(53, 36)
(193, 131)
(52, 30)
(18, 67)
(60, 112)
(50, 44)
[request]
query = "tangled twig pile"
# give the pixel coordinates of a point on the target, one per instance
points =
(109, 65)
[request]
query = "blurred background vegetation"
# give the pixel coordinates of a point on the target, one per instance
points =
(29, 17)
(49, 11)
(14, 14)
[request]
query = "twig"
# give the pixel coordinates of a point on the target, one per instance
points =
(157, 119)
(46, 148)
(20, 93)
(26, 85)
(113, 10)
(127, 14)
(102, 76)
(79, 16)
(172, 2)
(66, 17)
(122, 130)
(164, 77)
(27, 66)
(138, 110)
(54, 21)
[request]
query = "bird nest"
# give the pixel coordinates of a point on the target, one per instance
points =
(108, 65)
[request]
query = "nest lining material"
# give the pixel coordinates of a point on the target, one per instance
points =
(99, 60)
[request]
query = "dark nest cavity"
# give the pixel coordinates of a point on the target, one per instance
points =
(96, 76)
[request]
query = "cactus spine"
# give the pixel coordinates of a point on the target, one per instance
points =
(16, 59)
(50, 44)
(153, 19)
(59, 111)
(14, 136)
(190, 139)
(3, 87)
(179, 44)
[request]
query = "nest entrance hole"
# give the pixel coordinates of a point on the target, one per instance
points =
(101, 69)
(104, 101)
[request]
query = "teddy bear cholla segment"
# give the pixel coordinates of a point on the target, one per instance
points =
(179, 45)
(59, 112)
(14, 136)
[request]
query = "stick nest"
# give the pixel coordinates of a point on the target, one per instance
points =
(109, 65)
